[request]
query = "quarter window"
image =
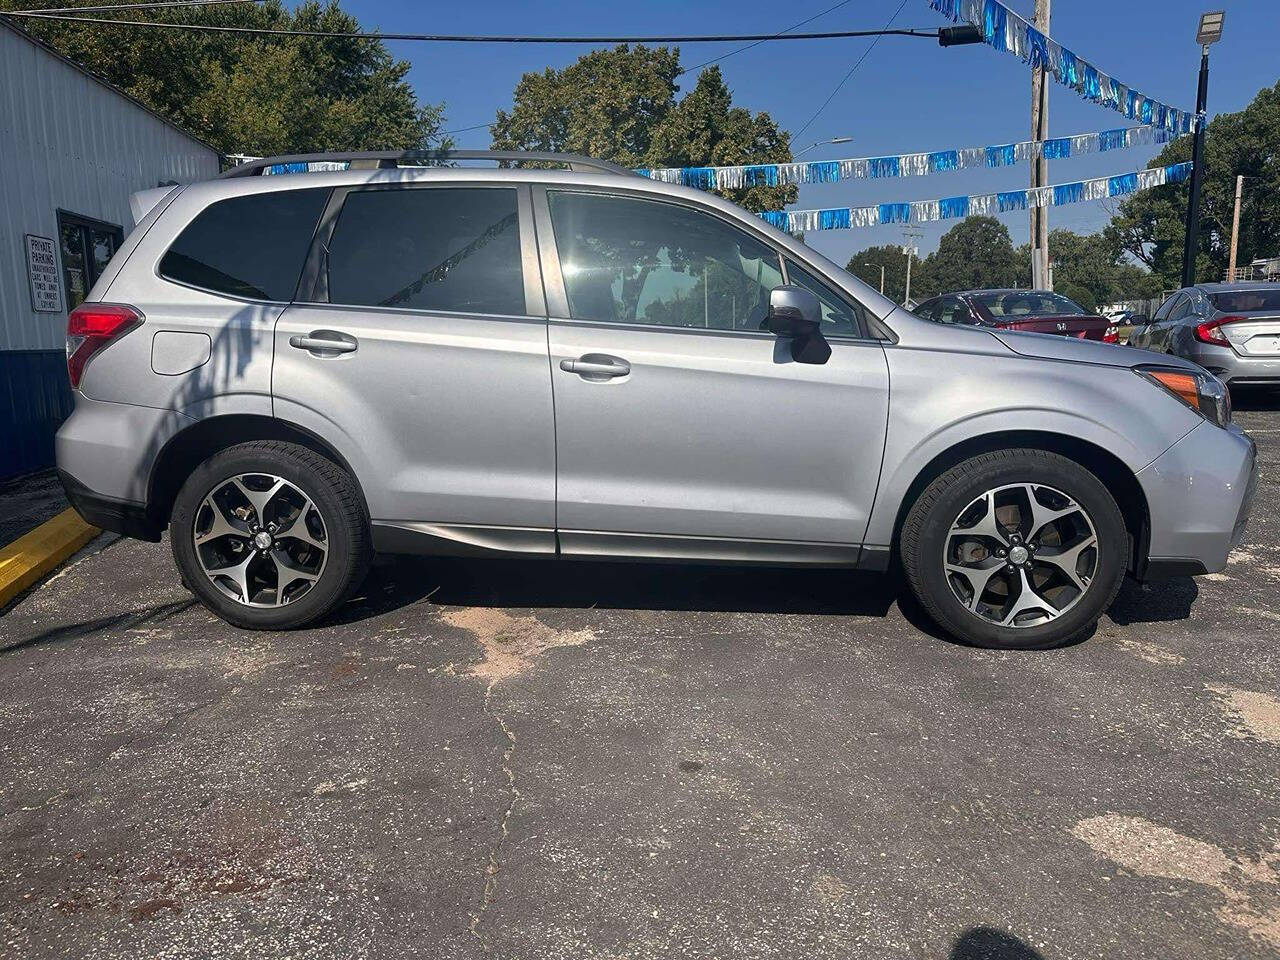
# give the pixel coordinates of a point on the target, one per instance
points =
(628, 260)
(452, 249)
(251, 246)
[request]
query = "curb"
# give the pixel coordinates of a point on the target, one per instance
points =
(29, 558)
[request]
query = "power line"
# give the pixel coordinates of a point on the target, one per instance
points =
(125, 6)
(852, 70)
(926, 33)
(707, 63)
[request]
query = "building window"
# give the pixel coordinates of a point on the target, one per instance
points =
(87, 246)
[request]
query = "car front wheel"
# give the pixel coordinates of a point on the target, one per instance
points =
(1019, 549)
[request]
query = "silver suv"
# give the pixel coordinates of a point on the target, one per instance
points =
(291, 372)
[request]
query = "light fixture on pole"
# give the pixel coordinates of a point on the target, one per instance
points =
(1208, 32)
(819, 143)
(873, 266)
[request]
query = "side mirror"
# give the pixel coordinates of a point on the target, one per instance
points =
(794, 312)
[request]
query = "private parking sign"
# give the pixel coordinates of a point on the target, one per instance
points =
(42, 268)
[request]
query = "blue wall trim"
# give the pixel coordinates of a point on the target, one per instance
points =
(35, 397)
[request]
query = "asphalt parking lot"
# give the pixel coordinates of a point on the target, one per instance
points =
(543, 760)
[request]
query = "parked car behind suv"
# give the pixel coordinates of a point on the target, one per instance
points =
(290, 372)
(1031, 311)
(1230, 329)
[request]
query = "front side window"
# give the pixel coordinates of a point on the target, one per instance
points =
(838, 319)
(251, 246)
(1182, 309)
(452, 249)
(1163, 312)
(628, 260)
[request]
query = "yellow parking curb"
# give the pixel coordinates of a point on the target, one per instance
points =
(31, 556)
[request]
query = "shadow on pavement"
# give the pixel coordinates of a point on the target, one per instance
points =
(1255, 398)
(988, 943)
(1157, 602)
(75, 631)
(402, 581)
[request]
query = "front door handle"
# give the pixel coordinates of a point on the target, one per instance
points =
(597, 366)
(325, 343)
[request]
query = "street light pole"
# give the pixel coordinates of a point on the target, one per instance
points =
(873, 266)
(1209, 31)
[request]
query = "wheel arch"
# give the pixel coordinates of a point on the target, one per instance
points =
(1114, 473)
(188, 449)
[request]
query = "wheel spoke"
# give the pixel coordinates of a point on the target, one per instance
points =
(1067, 560)
(988, 526)
(1026, 601)
(288, 572)
(977, 577)
(298, 529)
(259, 499)
(221, 526)
(1042, 516)
(237, 573)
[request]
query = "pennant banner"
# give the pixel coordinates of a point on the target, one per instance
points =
(906, 164)
(1007, 31)
(948, 208)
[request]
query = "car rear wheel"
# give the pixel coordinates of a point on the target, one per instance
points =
(1018, 549)
(270, 535)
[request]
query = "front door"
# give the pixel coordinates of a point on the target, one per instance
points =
(423, 357)
(682, 427)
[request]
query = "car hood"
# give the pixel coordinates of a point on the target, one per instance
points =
(1045, 346)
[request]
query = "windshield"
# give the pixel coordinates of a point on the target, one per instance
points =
(1246, 300)
(1021, 303)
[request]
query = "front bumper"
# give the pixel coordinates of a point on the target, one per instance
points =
(1232, 368)
(1199, 494)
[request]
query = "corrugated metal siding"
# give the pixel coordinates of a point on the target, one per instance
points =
(68, 141)
(34, 399)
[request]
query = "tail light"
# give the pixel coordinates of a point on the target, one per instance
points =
(1112, 335)
(1211, 330)
(90, 327)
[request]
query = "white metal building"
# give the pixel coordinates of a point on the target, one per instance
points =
(72, 150)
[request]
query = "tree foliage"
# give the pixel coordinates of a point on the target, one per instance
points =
(976, 253)
(1096, 268)
(258, 94)
(866, 264)
(1151, 225)
(621, 105)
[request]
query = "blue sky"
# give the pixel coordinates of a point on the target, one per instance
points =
(908, 95)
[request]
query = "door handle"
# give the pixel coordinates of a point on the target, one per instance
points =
(597, 366)
(324, 343)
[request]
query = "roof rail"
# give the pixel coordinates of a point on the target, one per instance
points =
(377, 159)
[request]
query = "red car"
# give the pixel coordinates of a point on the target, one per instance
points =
(1036, 311)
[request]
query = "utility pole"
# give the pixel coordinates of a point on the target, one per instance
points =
(1040, 277)
(909, 237)
(873, 266)
(1235, 230)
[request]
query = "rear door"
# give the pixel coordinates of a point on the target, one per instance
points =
(421, 353)
(682, 427)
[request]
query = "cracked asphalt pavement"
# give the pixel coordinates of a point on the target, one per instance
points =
(547, 760)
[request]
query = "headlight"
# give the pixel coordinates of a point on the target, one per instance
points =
(1202, 392)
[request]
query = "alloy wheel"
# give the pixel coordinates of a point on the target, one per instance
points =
(1021, 555)
(260, 539)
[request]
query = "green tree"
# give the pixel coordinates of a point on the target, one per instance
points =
(1151, 225)
(1096, 267)
(255, 94)
(621, 105)
(866, 264)
(974, 254)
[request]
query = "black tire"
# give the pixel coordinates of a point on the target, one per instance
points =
(335, 496)
(924, 538)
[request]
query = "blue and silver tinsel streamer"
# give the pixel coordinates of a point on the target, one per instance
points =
(950, 208)
(906, 164)
(1005, 30)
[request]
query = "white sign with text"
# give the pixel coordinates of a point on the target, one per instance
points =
(42, 268)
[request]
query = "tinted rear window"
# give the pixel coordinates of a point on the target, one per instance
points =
(454, 249)
(1027, 303)
(251, 246)
(1246, 300)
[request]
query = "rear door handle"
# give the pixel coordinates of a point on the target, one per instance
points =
(325, 343)
(597, 366)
